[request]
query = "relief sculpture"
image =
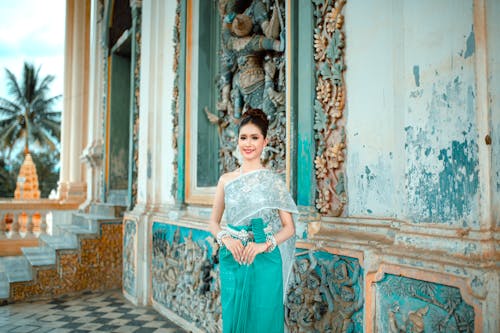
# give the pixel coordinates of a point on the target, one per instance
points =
(252, 75)
(129, 269)
(185, 275)
(326, 294)
(414, 306)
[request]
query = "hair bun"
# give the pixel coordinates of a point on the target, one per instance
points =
(257, 114)
(256, 117)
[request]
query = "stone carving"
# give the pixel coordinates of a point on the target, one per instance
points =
(175, 95)
(185, 275)
(129, 269)
(414, 306)
(326, 294)
(136, 21)
(252, 75)
(329, 124)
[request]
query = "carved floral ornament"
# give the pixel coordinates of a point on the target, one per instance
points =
(329, 120)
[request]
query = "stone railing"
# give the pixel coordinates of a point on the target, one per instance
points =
(23, 221)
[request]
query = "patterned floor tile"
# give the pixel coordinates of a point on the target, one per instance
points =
(90, 312)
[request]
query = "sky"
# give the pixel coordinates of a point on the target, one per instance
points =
(33, 31)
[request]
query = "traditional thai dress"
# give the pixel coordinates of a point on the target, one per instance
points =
(252, 296)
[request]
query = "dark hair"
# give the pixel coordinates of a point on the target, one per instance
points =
(256, 117)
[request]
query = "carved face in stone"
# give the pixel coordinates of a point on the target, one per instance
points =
(242, 25)
(340, 271)
(347, 294)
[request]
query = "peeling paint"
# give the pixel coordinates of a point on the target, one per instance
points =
(416, 75)
(447, 194)
(417, 93)
(369, 175)
(470, 45)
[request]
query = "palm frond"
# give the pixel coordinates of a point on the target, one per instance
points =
(6, 111)
(6, 122)
(30, 75)
(52, 127)
(45, 84)
(9, 107)
(13, 87)
(44, 138)
(7, 135)
(53, 114)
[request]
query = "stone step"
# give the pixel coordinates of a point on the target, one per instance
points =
(13, 269)
(91, 221)
(107, 209)
(4, 286)
(62, 242)
(16, 268)
(40, 255)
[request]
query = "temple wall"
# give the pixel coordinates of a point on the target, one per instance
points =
(415, 245)
(413, 136)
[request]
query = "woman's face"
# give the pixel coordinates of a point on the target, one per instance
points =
(251, 142)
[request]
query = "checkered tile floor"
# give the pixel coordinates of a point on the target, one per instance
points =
(91, 312)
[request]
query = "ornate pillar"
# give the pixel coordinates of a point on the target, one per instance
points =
(72, 185)
(136, 6)
(92, 154)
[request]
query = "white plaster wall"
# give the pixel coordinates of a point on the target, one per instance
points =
(374, 154)
(411, 126)
(493, 43)
(157, 78)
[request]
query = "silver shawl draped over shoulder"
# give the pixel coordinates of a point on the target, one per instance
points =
(262, 193)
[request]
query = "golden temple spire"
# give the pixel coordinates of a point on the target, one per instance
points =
(27, 181)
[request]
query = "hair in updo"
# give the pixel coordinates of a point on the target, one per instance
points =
(256, 117)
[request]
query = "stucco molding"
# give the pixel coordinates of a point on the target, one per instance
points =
(329, 105)
(410, 241)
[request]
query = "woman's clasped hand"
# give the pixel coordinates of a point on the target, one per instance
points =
(244, 255)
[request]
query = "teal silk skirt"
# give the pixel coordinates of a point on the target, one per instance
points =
(252, 295)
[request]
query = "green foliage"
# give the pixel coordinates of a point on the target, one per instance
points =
(48, 171)
(7, 180)
(28, 114)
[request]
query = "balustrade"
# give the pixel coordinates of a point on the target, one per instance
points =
(23, 221)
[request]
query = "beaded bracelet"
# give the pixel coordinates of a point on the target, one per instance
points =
(270, 238)
(220, 235)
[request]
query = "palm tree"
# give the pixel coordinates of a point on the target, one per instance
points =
(29, 115)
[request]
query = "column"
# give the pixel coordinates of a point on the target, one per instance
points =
(72, 186)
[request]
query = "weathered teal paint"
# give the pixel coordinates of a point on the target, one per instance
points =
(306, 181)
(470, 45)
(403, 304)
(446, 195)
(129, 254)
(369, 176)
(416, 75)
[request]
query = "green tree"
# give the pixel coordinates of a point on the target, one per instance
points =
(29, 114)
(7, 180)
(47, 170)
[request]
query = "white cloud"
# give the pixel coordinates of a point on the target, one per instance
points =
(32, 31)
